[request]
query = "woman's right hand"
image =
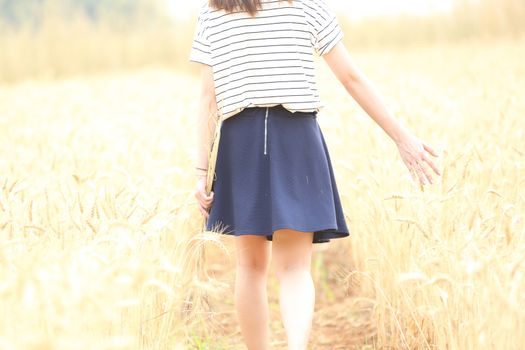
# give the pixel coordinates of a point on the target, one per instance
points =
(204, 200)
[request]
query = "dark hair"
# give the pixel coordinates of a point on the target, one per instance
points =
(250, 6)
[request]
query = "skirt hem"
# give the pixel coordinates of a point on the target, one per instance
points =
(321, 234)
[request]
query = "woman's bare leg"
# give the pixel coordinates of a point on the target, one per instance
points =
(251, 300)
(291, 253)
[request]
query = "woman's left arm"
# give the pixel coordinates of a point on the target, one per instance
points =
(411, 149)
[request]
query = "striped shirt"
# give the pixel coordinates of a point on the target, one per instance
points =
(266, 60)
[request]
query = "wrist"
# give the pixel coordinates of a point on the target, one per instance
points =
(401, 135)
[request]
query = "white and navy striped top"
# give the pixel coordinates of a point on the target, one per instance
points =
(266, 60)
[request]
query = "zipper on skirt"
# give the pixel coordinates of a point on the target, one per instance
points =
(265, 129)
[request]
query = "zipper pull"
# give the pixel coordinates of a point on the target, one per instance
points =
(265, 129)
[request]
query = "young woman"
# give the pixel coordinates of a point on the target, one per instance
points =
(274, 188)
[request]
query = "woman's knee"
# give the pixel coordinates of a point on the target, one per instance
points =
(253, 253)
(291, 251)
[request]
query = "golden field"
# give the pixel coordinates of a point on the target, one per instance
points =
(100, 234)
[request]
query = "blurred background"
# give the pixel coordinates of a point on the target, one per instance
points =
(50, 38)
(101, 240)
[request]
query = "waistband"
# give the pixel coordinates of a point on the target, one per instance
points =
(280, 109)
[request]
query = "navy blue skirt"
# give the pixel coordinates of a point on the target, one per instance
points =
(273, 171)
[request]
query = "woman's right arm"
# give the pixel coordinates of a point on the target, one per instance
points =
(205, 123)
(412, 150)
(205, 130)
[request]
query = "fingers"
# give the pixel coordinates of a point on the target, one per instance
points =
(416, 168)
(204, 211)
(415, 157)
(420, 173)
(426, 159)
(424, 170)
(412, 173)
(430, 150)
(202, 197)
(204, 201)
(432, 165)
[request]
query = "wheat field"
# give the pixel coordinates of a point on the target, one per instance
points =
(101, 244)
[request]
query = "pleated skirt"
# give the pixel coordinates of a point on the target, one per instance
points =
(273, 171)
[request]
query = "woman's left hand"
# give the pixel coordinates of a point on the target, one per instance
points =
(414, 154)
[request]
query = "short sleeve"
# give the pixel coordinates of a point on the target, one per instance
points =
(324, 25)
(200, 48)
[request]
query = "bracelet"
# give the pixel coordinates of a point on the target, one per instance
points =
(201, 172)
